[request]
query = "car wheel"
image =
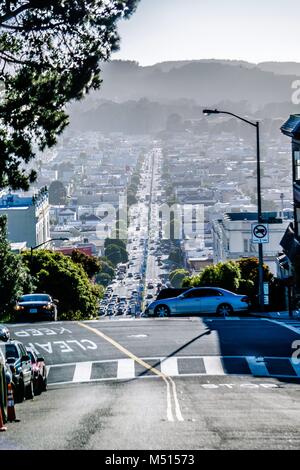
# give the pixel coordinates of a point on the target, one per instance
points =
(162, 311)
(29, 393)
(224, 310)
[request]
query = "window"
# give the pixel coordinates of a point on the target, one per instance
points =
(246, 245)
(11, 351)
(211, 293)
(195, 293)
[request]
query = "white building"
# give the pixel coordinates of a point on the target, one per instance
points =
(232, 238)
(27, 217)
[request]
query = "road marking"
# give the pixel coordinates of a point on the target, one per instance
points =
(126, 369)
(169, 366)
(257, 366)
(286, 325)
(82, 372)
(213, 365)
(296, 367)
(147, 366)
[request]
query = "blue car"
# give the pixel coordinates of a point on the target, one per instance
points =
(198, 301)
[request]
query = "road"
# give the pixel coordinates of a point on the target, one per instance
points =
(185, 383)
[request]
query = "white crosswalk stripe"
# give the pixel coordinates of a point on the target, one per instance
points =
(82, 372)
(125, 369)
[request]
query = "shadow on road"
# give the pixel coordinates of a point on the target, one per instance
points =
(268, 343)
(271, 344)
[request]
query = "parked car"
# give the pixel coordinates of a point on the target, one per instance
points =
(4, 333)
(36, 307)
(3, 386)
(20, 364)
(200, 300)
(39, 372)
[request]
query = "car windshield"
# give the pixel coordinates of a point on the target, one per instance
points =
(35, 298)
(9, 350)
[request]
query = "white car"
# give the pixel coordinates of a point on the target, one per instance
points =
(200, 300)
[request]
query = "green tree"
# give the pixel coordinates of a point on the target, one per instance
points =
(14, 277)
(66, 281)
(50, 54)
(107, 267)
(176, 256)
(103, 279)
(225, 275)
(177, 277)
(116, 254)
(114, 241)
(90, 264)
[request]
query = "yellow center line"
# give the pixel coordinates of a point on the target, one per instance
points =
(147, 366)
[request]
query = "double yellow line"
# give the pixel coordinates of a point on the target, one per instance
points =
(166, 378)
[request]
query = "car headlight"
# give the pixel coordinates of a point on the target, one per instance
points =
(47, 307)
(19, 307)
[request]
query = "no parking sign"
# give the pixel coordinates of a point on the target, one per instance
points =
(260, 233)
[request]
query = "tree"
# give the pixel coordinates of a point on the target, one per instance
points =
(57, 275)
(90, 264)
(176, 256)
(57, 193)
(107, 267)
(176, 277)
(14, 277)
(116, 254)
(103, 279)
(50, 52)
(114, 241)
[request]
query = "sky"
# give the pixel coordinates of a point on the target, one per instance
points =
(251, 30)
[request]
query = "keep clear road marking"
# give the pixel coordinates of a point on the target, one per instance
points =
(82, 372)
(168, 380)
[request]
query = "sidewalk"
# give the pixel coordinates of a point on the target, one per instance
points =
(283, 315)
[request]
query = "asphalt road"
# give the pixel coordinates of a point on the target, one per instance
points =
(185, 383)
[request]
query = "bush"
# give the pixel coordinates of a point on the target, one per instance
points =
(58, 276)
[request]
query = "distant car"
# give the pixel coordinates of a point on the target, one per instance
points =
(20, 364)
(36, 307)
(4, 333)
(39, 372)
(200, 300)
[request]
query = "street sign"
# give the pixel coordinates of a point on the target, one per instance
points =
(260, 233)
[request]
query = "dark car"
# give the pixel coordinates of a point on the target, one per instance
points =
(4, 333)
(170, 292)
(20, 365)
(39, 372)
(36, 307)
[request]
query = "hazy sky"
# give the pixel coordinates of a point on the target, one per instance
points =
(252, 30)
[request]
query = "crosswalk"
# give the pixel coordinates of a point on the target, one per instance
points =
(293, 325)
(128, 369)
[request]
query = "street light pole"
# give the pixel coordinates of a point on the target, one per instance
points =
(45, 243)
(256, 124)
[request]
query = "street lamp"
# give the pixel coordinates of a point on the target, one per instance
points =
(45, 243)
(255, 124)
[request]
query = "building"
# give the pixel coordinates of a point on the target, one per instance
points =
(27, 217)
(232, 237)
